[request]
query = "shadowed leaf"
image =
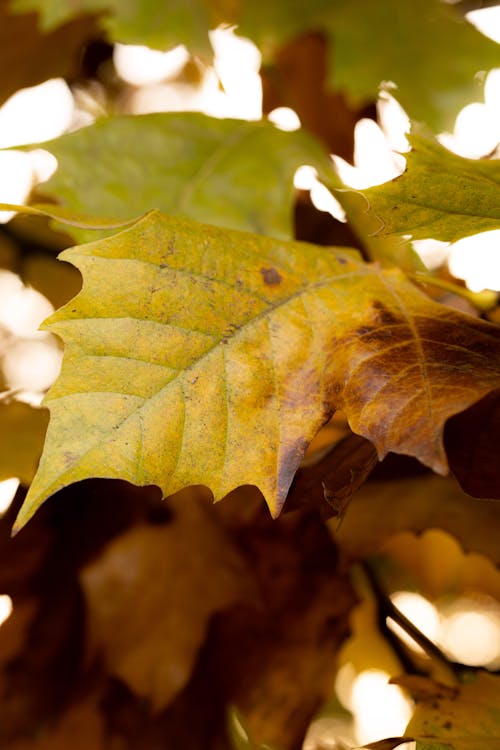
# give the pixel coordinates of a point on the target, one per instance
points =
(382, 508)
(30, 57)
(196, 355)
(145, 610)
(471, 440)
(22, 430)
(440, 195)
(230, 173)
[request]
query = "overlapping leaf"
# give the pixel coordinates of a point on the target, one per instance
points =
(412, 44)
(22, 430)
(196, 355)
(153, 647)
(231, 173)
(134, 21)
(380, 509)
(440, 195)
(30, 57)
(448, 719)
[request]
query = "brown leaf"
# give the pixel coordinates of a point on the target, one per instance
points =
(424, 688)
(81, 727)
(471, 440)
(276, 664)
(381, 508)
(152, 592)
(14, 629)
(30, 57)
(330, 483)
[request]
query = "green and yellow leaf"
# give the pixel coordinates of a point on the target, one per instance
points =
(465, 719)
(440, 195)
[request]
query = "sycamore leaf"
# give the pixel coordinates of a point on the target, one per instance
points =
(380, 509)
(231, 173)
(22, 430)
(440, 195)
(30, 57)
(276, 663)
(197, 355)
(411, 44)
(148, 22)
(153, 647)
(467, 720)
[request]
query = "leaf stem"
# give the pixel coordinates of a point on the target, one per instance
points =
(483, 301)
(387, 609)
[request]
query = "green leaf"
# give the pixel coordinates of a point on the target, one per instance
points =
(232, 173)
(196, 355)
(149, 22)
(426, 48)
(440, 195)
(22, 430)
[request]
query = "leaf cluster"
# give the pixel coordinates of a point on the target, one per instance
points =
(231, 343)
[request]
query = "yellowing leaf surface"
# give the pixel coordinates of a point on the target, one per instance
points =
(468, 721)
(197, 355)
(232, 173)
(440, 195)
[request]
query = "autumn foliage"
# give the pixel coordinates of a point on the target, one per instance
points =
(226, 341)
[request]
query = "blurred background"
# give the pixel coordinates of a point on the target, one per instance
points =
(452, 596)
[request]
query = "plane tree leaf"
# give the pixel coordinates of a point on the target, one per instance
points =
(465, 718)
(197, 355)
(409, 48)
(381, 509)
(30, 57)
(155, 24)
(232, 173)
(440, 195)
(153, 647)
(411, 44)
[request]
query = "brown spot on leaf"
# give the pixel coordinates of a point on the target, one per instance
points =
(384, 316)
(271, 276)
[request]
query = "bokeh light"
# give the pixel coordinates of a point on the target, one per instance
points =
(141, 65)
(5, 608)
(8, 489)
(471, 631)
(421, 612)
(380, 709)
